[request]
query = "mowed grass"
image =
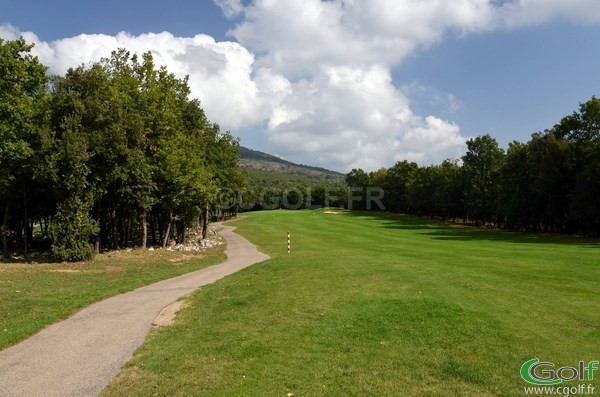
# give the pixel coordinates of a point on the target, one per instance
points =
(377, 305)
(36, 294)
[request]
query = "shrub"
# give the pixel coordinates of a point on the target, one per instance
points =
(71, 232)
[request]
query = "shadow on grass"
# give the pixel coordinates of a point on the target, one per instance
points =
(447, 231)
(33, 257)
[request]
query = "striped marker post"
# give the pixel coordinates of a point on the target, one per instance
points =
(289, 243)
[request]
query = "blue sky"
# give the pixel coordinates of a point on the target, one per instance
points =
(342, 84)
(511, 84)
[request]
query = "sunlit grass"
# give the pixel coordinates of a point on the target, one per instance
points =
(380, 305)
(34, 295)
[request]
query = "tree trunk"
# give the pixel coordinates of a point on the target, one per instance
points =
(144, 229)
(152, 231)
(205, 222)
(26, 234)
(4, 232)
(166, 237)
(127, 227)
(43, 227)
(122, 230)
(113, 229)
(97, 236)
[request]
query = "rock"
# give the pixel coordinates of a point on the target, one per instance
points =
(198, 246)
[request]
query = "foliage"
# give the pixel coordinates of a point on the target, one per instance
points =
(72, 226)
(117, 148)
(551, 183)
(482, 166)
(255, 160)
(293, 186)
(71, 232)
(22, 90)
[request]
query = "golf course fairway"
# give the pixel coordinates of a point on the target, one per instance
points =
(373, 304)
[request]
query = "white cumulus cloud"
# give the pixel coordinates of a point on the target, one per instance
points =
(230, 8)
(355, 117)
(296, 36)
(221, 74)
(315, 75)
(342, 106)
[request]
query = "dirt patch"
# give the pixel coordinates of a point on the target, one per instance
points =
(166, 316)
(65, 271)
(185, 258)
(113, 269)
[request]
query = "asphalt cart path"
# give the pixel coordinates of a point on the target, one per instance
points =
(79, 356)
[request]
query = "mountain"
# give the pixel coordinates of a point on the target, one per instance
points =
(265, 168)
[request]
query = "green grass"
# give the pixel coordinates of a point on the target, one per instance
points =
(377, 305)
(35, 295)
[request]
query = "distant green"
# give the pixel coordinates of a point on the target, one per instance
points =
(372, 304)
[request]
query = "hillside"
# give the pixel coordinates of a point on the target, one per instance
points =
(265, 168)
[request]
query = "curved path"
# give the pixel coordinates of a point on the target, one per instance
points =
(80, 355)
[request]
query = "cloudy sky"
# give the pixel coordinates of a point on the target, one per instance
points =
(345, 83)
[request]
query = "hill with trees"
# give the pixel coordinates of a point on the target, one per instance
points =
(282, 172)
(277, 183)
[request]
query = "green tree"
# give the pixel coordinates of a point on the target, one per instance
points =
(482, 165)
(357, 180)
(398, 184)
(423, 190)
(582, 126)
(582, 132)
(449, 190)
(552, 182)
(73, 228)
(22, 84)
(516, 184)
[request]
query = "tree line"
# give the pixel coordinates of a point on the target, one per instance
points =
(549, 184)
(112, 154)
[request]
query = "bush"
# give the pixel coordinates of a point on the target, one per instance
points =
(71, 232)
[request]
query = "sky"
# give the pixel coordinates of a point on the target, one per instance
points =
(345, 84)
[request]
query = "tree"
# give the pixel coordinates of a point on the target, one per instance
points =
(449, 191)
(582, 132)
(482, 165)
(73, 227)
(109, 147)
(422, 191)
(552, 182)
(516, 183)
(357, 181)
(22, 85)
(582, 126)
(398, 184)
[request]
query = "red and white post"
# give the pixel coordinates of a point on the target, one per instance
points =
(289, 243)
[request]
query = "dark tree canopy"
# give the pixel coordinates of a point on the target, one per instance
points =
(551, 183)
(22, 91)
(113, 154)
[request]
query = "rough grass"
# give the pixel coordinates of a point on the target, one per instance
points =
(37, 294)
(377, 305)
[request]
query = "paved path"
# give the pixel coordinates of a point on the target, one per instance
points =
(80, 355)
